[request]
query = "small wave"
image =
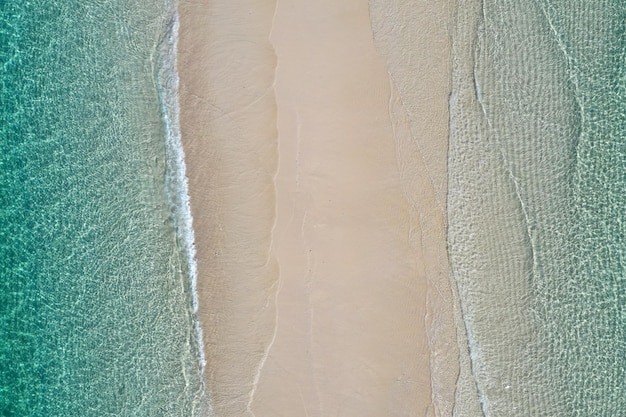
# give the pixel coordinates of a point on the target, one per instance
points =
(176, 184)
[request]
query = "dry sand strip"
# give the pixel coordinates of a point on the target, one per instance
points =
(311, 244)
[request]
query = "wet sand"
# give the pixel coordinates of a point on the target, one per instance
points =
(318, 189)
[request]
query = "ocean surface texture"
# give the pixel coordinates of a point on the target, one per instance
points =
(96, 311)
(537, 204)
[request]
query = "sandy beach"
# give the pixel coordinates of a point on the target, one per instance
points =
(317, 169)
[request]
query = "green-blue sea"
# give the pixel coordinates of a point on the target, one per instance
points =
(537, 205)
(97, 312)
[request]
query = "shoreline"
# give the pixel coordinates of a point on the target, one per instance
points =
(177, 186)
(415, 43)
(318, 284)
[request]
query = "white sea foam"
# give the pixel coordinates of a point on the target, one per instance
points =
(176, 182)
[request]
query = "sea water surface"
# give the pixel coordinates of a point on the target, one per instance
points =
(537, 205)
(96, 252)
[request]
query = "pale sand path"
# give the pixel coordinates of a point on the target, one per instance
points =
(313, 284)
(350, 335)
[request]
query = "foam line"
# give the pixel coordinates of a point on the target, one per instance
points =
(176, 183)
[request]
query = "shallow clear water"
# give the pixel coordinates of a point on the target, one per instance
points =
(96, 308)
(536, 205)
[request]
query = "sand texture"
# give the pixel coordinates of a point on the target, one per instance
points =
(317, 170)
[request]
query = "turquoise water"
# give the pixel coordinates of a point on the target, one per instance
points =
(96, 300)
(537, 205)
